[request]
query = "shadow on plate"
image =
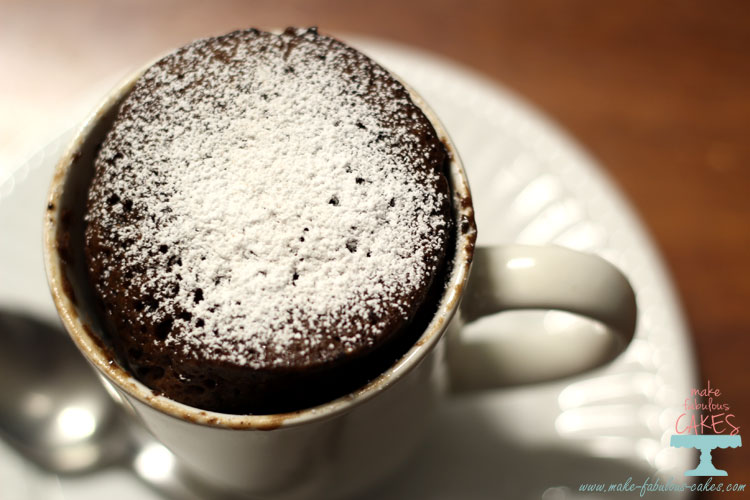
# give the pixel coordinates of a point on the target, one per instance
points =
(475, 461)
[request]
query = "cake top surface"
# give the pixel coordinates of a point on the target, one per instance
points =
(269, 197)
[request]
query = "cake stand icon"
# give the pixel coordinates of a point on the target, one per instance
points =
(705, 443)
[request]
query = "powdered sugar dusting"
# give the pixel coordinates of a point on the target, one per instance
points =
(265, 202)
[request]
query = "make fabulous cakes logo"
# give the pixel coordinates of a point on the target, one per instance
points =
(707, 423)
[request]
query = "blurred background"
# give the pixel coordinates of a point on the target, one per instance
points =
(658, 92)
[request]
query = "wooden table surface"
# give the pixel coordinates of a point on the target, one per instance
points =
(659, 92)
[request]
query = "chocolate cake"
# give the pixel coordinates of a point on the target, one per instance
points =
(268, 219)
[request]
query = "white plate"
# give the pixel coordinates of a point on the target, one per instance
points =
(531, 184)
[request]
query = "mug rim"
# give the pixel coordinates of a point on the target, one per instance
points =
(96, 354)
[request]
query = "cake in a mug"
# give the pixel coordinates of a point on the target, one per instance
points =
(268, 224)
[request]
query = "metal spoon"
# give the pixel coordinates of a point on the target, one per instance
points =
(55, 412)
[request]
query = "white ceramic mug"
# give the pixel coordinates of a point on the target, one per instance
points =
(342, 446)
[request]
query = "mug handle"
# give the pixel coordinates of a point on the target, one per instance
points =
(548, 278)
